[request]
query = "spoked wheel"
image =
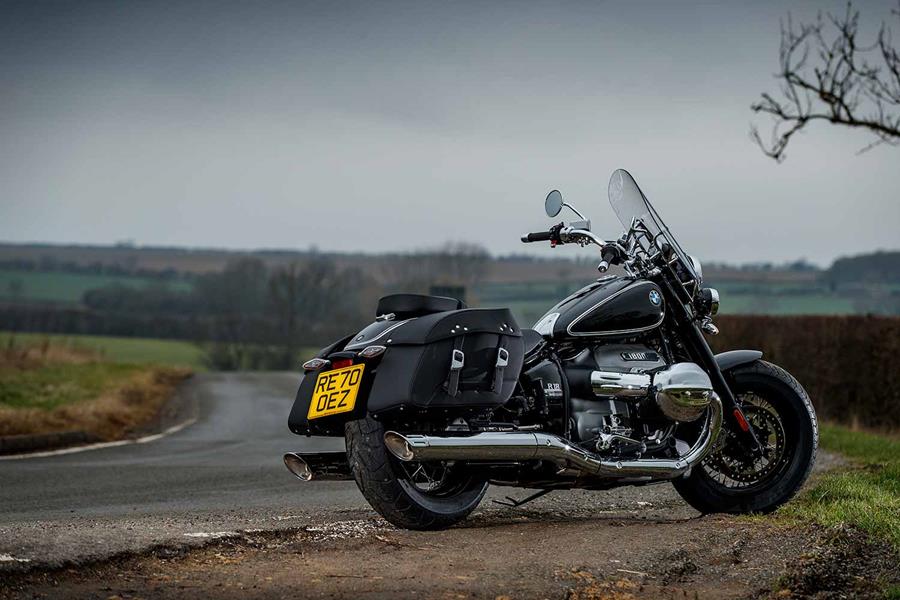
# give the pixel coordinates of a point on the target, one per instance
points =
(733, 480)
(731, 467)
(431, 495)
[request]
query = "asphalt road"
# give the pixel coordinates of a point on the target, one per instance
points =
(222, 473)
(223, 477)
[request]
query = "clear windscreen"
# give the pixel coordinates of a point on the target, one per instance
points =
(631, 206)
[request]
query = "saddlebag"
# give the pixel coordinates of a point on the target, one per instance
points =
(456, 360)
(468, 358)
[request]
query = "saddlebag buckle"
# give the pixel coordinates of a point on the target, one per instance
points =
(457, 361)
(499, 366)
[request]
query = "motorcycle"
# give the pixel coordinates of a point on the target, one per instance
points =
(615, 385)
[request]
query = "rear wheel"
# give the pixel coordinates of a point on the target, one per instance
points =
(411, 495)
(779, 410)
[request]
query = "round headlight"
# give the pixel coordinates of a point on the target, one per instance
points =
(707, 302)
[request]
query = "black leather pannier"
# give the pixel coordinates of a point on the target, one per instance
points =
(468, 358)
(455, 359)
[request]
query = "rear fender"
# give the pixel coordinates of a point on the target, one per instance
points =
(332, 426)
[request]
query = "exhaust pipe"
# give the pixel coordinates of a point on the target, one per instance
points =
(321, 466)
(519, 446)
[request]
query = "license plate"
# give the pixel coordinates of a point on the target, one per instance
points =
(335, 392)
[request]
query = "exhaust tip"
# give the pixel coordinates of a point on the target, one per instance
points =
(398, 446)
(298, 466)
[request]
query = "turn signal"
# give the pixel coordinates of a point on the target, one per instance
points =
(315, 364)
(372, 351)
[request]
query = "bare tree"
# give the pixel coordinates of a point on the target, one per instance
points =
(826, 74)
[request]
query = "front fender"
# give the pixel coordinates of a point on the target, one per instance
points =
(735, 358)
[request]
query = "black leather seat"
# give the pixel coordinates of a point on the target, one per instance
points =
(532, 339)
(405, 306)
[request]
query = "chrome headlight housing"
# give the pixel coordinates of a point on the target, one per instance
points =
(698, 268)
(707, 301)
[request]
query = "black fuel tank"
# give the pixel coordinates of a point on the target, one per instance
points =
(610, 307)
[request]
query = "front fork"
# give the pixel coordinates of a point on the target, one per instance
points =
(733, 415)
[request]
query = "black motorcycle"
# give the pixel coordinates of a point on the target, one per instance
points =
(614, 386)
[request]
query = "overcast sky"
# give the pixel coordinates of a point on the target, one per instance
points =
(390, 126)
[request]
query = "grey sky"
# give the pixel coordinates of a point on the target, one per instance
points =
(389, 126)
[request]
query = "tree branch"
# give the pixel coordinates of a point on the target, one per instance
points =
(843, 86)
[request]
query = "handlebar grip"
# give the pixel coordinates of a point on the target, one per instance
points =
(540, 236)
(609, 255)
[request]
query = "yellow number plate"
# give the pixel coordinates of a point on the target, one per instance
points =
(335, 392)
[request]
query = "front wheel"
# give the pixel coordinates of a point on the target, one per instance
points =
(424, 496)
(782, 416)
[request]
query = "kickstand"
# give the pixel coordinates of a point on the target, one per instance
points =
(513, 503)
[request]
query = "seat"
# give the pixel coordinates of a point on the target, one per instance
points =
(532, 339)
(405, 306)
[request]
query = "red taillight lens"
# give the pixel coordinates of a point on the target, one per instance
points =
(341, 363)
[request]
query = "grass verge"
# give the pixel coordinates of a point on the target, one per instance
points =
(866, 496)
(51, 388)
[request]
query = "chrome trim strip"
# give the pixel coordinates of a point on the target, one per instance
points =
(545, 326)
(609, 299)
(379, 336)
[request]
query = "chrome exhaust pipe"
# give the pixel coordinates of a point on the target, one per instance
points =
(319, 466)
(519, 446)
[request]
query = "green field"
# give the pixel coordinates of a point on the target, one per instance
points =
(528, 300)
(68, 287)
(119, 349)
(785, 304)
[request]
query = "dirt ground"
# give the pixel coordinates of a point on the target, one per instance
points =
(557, 549)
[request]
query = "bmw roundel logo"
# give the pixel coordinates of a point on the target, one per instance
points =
(655, 298)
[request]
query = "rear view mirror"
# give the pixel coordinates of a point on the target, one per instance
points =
(553, 204)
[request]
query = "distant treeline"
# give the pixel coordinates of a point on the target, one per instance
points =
(850, 365)
(173, 263)
(53, 265)
(249, 315)
(880, 267)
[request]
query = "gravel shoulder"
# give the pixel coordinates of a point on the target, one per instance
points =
(627, 543)
(564, 549)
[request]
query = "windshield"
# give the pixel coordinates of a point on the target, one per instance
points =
(632, 207)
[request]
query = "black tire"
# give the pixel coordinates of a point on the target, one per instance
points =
(800, 440)
(385, 484)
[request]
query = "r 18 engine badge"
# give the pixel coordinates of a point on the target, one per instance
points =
(553, 390)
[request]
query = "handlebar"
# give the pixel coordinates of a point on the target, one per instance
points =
(560, 234)
(540, 236)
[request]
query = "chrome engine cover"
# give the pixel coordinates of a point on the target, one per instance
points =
(682, 392)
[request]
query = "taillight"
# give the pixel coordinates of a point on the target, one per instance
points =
(340, 363)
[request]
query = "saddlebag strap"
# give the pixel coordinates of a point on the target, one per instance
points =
(499, 366)
(457, 360)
